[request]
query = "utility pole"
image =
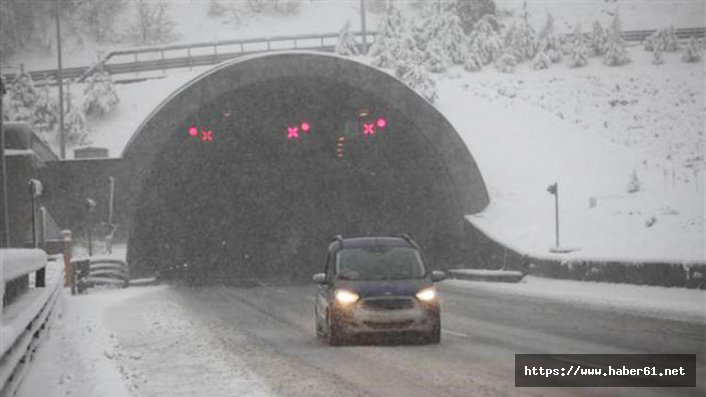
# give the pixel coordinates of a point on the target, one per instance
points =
(60, 79)
(4, 213)
(364, 29)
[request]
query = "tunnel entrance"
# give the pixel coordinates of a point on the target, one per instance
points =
(253, 182)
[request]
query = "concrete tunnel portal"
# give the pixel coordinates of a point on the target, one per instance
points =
(248, 170)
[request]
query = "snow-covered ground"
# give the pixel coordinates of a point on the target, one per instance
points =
(78, 356)
(84, 355)
(532, 128)
(144, 342)
(660, 302)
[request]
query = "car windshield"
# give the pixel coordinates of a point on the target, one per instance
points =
(379, 263)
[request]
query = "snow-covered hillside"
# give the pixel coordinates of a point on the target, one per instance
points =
(192, 22)
(532, 128)
(591, 129)
(588, 128)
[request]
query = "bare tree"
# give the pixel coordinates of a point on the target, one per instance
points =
(98, 17)
(153, 23)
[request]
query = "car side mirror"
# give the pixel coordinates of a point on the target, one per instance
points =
(437, 276)
(319, 278)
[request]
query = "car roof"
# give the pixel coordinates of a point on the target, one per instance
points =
(362, 242)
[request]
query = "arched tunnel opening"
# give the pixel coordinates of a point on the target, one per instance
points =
(254, 183)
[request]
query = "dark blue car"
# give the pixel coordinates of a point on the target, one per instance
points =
(376, 285)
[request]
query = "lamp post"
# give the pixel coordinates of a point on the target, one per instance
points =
(4, 214)
(90, 206)
(35, 190)
(554, 190)
(60, 80)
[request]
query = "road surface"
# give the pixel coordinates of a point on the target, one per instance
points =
(270, 331)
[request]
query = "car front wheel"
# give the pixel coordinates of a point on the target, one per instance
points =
(334, 333)
(434, 336)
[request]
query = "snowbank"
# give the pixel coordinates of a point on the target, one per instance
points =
(132, 342)
(77, 358)
(661, 302)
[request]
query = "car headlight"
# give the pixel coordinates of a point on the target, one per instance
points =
(346, 297)
(427, 294)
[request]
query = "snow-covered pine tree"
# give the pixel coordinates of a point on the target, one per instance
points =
(387, 47)
(75, 128)
(671, 42)
(473, 62)
(692, 53)
(346, 41)
(429, 24)
(664, 40)
(521, 39)
(549, 42)
(436, 57)
(46, 111)
(541, 61)
(599, 39)
(657, 58)
(578, 53)
(506, 63)
(615, 53)
(74, 123)
(485, 39)
(442, 26)
(472, 11)
(453, 39)
(416, 75)
(99, 93)
(21, 98)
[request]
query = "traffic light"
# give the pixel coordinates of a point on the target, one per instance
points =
(205, 135)
(298, 131)
(340, 142)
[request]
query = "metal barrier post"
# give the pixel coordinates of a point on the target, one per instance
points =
(74, 283)
(68, 279)
(40, 279)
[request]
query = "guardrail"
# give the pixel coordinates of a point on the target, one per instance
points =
(25, 311)
(190, 55)
(89, 272)
(161, 58)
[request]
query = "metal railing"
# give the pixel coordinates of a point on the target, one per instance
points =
(25, 310)
(88, 272)
(190, 55)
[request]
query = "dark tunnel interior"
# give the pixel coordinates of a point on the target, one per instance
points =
(238, 194)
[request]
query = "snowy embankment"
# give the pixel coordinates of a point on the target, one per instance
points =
(84, 354)
(676, 304)
(589, 129)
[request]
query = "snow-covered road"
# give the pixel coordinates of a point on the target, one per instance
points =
(225, 341)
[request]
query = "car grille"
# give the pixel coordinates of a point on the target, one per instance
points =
(388, 303)
(392, 325)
